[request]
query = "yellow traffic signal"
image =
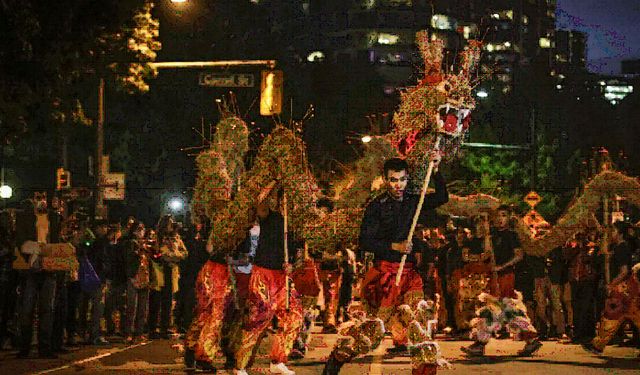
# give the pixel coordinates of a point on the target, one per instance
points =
(271, 92)
(63, 179)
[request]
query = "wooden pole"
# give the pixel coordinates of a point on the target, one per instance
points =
(286, 246)
(423, 193)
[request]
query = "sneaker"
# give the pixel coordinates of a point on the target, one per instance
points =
(530, 348)
(591, 349)
(280, 368)
(474, 350)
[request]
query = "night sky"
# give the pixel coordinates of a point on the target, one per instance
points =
(612, 26)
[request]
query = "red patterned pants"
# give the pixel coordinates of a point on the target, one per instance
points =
(331, 281)
(382, 297)
(266, 299)
(214, 303)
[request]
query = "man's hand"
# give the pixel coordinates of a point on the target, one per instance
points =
(286, 267)
(497, 268)
(404, 247)
(436, 158)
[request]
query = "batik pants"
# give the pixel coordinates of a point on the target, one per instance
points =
(544, 289)
(622, 304)
(381, 296)
(266, 299)
(214, 304)
(331, 280)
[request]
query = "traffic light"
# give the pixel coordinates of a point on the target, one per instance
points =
(271, 92)
(63, 179)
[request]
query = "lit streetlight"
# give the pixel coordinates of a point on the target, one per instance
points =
(482, 94)
(175, 204)
(6, 192)
(366, 139)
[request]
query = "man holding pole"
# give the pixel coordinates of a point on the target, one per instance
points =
(269, 294)
(384, 232)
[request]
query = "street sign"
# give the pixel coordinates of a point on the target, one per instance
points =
(226, 80)
(533, 219)
(532, 199)
(113, 186)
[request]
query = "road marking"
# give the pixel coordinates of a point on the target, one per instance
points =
(96, 357)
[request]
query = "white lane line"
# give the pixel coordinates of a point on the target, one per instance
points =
(79, 362)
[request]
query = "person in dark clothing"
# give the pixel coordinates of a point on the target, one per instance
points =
(97, 254)
(507, 252)
(383, 232)
(197, 244)
(39, 285)
(583, 276)
(267, 295)
(117, 277)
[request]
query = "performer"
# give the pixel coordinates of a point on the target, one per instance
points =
(623, 293)
(267, 296)
(214, 305)
(507, 252)
(385, 227)
(507, 310)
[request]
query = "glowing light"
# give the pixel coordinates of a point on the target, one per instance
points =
(178, 1)
(315, 56)
(482, 94)
(384, 38)
(175, 204)
(366, 139)
(6, 192)
(545, 43)
(559, 87)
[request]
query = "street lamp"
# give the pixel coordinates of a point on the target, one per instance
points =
(482, 94)
(366, 139)
(6, 192)
(175, 204)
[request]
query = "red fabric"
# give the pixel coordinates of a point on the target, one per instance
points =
(331, 291)
(267, 298)
(379, 285)
(306, 279)
(242, 286)
(506, 285)
(214, 300)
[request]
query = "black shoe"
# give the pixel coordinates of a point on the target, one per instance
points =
(189, 360)
(474, 350)
(296, 354)
(329, 329)
(591, 349)
(202, 366)
(399, 350)
(530, 348)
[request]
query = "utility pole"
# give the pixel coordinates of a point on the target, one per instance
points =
(534, 150)
(100, 209)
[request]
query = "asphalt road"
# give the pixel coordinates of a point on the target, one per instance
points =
(162, 357)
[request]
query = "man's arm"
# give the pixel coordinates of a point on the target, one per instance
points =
(369, 240)
(518, 254)
(437, 198)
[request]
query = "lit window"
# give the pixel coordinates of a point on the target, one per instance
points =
(559, 87)
(384, 38)
(490, 47)
(545, 43)
(368, 4)
(525, 20)
(316, 56)
(507, 44)
(509, 14)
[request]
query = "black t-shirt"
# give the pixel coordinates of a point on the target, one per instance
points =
(504, 244)
(474, 245)
(557, 267)
(537, 266)
(621, 257)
